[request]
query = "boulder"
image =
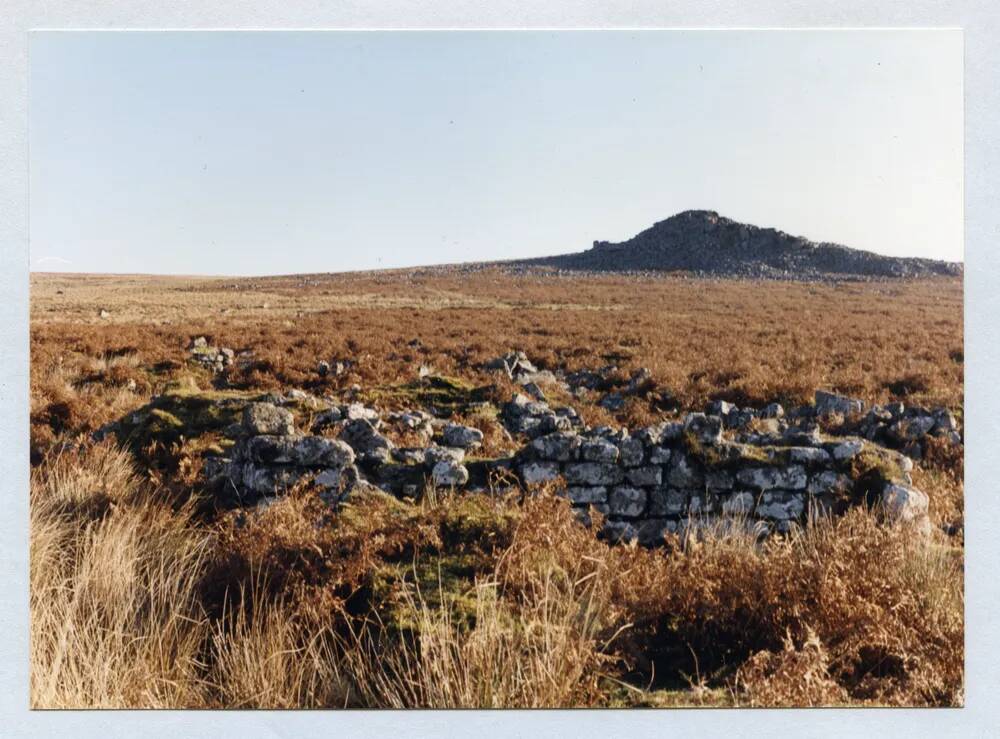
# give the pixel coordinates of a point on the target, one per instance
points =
(904, 504)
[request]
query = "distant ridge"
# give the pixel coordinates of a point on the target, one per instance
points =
(702, 241)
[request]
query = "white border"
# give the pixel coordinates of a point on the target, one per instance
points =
(981, 24)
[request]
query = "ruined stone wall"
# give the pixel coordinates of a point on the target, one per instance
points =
(678, 474)
(658, 480)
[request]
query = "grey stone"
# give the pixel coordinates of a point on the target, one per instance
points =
(799, 436)
(846, 450)
(706, 429)
(463, 437)
(830, 483)
(945, 421)
(769, 478)
(780, 505)
(629, 502)
(327, 418)
(536, 473)
(411, 455)
(559, 446)
(448, 473)
(435, 454)
(702, 503)
(586, 496)
(660, 432)
(620, 531)
(593, 473)
(739, 504)
(267, 480)
(357, 411)
(719, 480)
(368, 443)
(612, 402)
(660, 455)
(903, 504)
(534, 391)
(773, 410)
(652, 531)
(266, 418)
(317, 451)
(808, 455)
(631, 451)
(667, 502)
(644, 476)
(827, 403)
(719, 408)
(683, 474)
(599, 450)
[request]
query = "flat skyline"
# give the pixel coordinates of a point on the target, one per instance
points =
(251, 153)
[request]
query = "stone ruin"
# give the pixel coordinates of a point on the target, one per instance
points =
(662, 479)
(769, 468)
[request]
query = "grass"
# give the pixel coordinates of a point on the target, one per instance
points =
(139, 599)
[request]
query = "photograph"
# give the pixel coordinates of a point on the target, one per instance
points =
(496, 369)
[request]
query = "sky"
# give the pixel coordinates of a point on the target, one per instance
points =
(243, 153)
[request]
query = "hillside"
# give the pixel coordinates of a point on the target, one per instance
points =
(702, 241)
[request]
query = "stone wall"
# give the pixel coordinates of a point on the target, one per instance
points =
(658, 480)
(674, 475)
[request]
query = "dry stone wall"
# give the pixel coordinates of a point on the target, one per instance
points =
(662, 479)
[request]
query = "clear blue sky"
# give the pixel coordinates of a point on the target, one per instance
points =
(268, 153)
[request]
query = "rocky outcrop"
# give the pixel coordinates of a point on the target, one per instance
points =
(703, 242)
